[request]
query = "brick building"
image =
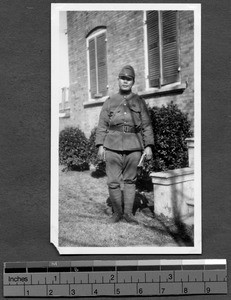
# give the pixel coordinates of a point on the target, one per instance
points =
(158, 44)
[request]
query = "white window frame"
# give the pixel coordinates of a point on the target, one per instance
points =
(147, 87)
(93, 35)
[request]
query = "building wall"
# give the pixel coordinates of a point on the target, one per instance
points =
(186, 28)
(63, 50)
(125, 45)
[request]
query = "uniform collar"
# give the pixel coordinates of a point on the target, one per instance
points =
(126, 96)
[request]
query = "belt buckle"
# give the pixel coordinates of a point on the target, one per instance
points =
(125, 129)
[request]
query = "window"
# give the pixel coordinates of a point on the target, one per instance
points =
(163, 60)
(97, 64)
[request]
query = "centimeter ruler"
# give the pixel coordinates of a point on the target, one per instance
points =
(97, 278)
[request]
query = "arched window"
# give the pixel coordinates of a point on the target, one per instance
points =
(97, 63)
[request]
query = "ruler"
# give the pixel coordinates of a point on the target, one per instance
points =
(114, 278)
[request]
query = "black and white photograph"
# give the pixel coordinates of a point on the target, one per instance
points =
(126, 128)
(115, 149)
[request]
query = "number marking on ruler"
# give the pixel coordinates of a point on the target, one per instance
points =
(114, 278)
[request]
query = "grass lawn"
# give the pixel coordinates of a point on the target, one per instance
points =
(83, 215)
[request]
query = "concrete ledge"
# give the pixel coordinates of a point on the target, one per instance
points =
(169, 89)
(173, 190)
(172, 176)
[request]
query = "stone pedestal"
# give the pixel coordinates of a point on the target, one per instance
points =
(172, 190)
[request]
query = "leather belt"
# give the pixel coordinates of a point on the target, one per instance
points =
(124, 128)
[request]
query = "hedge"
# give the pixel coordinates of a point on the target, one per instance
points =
(171, 127)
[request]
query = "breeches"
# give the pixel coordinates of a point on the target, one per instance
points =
(121, 167)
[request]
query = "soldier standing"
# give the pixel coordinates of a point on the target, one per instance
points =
(124, 131)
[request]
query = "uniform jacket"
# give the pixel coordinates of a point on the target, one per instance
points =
(120, 110)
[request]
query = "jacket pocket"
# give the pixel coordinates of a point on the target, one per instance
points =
(114, 117)
(136, 114)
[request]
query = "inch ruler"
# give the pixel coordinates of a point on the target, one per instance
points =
(96, 278)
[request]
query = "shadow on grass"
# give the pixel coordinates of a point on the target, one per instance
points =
(181, 233)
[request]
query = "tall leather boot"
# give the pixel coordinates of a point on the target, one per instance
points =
(116, 201)
(129, 198)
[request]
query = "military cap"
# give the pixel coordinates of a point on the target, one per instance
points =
(127, 71)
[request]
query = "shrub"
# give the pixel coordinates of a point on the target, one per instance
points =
(72, 149)
(171, 127)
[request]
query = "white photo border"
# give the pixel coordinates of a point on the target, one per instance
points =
(54, 194)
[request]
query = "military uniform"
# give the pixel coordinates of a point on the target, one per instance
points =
(124, 130)
(121, 121)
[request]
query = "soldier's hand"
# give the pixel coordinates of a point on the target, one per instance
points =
(148, 152)
(101, 153)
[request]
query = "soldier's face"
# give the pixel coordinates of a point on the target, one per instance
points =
(125, 83)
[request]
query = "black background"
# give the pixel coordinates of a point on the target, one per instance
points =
(25, 135)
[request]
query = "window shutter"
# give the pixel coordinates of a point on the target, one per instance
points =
(92, 62)
(102, 64)
(170, 49)
(153, 48)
